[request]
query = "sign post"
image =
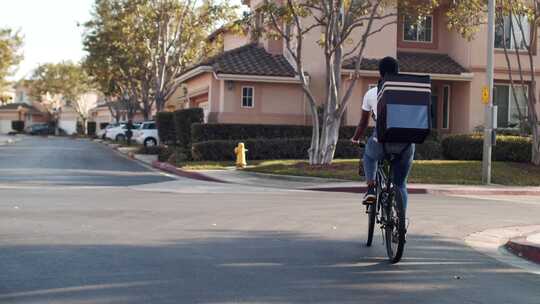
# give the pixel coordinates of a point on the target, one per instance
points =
(487, 97)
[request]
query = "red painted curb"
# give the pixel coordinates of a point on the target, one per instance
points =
(524, 249)
(188, 174)
(361, 189)
(484, 192)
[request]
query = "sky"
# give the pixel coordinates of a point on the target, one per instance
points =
(49, 28)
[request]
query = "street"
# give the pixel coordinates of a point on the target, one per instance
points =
(78, 224)
(62, 161)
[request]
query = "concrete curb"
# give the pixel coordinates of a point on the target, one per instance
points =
(524, 249)
(362, 189)
(188, 174)
(413, 189)
(455, 191)
(492, 243)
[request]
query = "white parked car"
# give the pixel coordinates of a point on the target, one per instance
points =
(147, 134)
(101, 133)
(116, 132)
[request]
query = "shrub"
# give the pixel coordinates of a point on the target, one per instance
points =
(91, 128)
(165, 126)
(277, 148)
(429, 150)
(79, 128)
(207, 132)
(152, 150)
(17, 125)
(165, 153)
(470, 147)
(183, 119)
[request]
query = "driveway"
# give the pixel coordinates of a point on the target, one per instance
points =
(64, 161)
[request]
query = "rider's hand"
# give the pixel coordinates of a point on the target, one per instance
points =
(355, 141)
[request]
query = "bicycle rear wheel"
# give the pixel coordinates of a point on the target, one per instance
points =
(395, 227)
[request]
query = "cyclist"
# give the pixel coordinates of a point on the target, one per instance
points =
(375, 151)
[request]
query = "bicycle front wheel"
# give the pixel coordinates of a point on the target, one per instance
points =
(395, 227)
(372, 212)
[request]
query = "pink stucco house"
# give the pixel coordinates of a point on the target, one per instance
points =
(253, 81)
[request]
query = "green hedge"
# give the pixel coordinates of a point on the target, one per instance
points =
(91, 128)
(276, 148)
(429, 150)
(17, 125)
(206, 132)
(216, 131)
(288, 148)
(470, 147)
(165, 126)
(183, 119)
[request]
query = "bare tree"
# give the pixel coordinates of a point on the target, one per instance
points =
(340, 22)
(520, 14)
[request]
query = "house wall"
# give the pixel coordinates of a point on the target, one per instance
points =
(195, 84)
(354, 110)
(234, 40)
(6, 117)
(273, 104)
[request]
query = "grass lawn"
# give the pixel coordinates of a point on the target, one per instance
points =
(424, 171)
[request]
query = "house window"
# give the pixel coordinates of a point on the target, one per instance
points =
(418, 29)
(509, 34)
(247, 97)
(446, 107)
(508, 111)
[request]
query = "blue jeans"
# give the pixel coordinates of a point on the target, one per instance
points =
(374, 152)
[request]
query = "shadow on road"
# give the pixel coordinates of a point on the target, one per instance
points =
(258, 266)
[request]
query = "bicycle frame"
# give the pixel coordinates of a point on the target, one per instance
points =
(384, 190)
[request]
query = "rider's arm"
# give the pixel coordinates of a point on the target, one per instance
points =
(362, 125)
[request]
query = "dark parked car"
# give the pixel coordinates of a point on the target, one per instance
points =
(39, 129)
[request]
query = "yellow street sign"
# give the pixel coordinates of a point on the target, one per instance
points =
(485, 95)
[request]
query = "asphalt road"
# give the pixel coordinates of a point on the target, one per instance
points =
(240, 245)
(64, 161)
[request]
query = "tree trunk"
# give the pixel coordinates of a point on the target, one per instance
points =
(160, 102)
(313, 151)
(536, 145)
(329, 141)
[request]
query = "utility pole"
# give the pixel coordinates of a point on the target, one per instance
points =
(487, 96)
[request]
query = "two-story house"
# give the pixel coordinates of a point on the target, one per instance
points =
(21, 106)
(253, 81)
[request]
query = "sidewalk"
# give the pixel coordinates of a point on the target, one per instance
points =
(505, 245)
(6, 140)
(334, 185)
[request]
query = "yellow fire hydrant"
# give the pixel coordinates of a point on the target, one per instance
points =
(240, 152)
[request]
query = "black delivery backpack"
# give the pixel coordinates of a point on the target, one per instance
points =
(404, 109)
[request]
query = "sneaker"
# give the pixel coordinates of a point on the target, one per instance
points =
(371, 196)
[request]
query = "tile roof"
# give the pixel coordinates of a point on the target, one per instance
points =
(428, 63)
(250, 59)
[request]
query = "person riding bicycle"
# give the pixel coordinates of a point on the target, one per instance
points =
(375, 151)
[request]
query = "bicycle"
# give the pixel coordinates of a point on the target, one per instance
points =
(388, 211)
